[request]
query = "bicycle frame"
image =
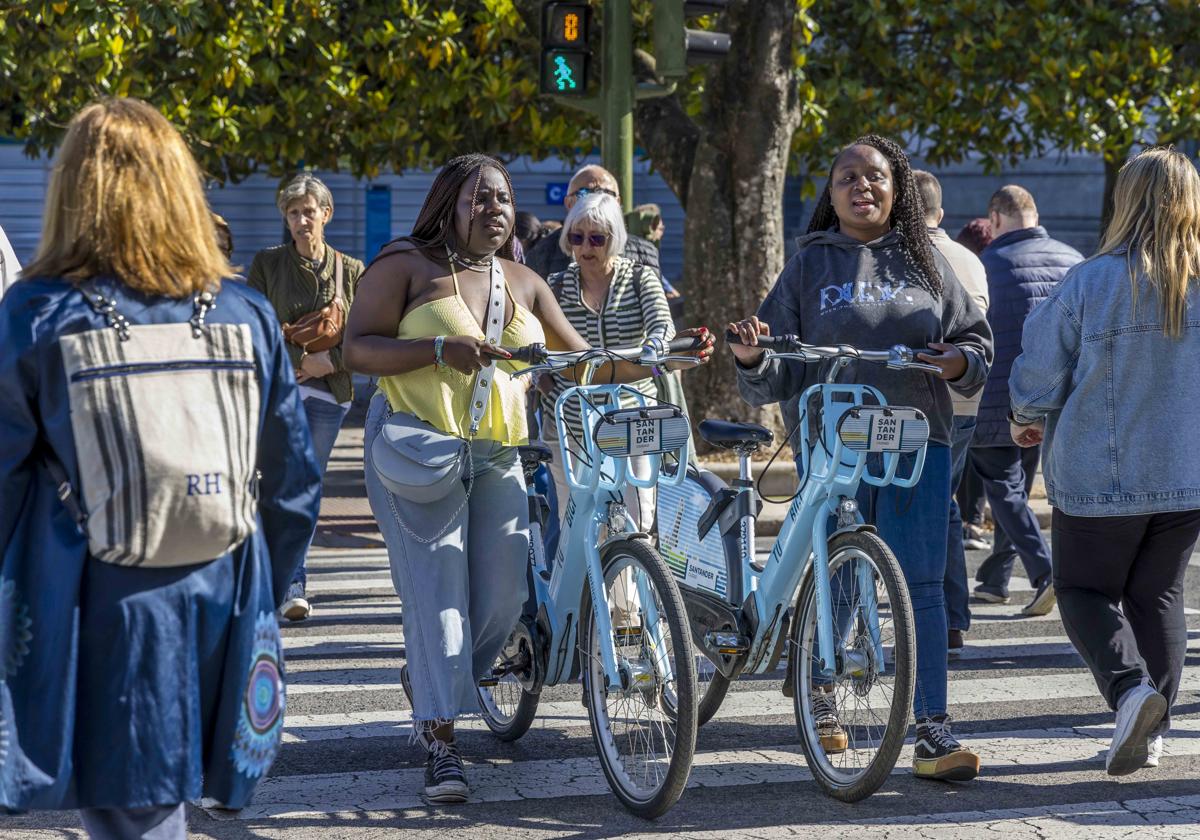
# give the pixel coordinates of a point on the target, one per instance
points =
(832, 474)
(591, 506)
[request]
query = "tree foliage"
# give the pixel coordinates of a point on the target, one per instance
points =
(274, 84)
(1008, 80)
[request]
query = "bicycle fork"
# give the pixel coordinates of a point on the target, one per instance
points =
(851, 662)
(634, 677)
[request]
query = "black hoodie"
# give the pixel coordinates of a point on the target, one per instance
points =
(838, 290)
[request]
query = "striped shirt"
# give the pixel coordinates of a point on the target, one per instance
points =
(636, 310)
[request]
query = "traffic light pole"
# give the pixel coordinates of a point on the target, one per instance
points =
(617, 97)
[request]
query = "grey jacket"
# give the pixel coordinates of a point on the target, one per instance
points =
(837, 290)
(1120, 399)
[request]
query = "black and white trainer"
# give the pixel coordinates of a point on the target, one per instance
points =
(445, 777)
(938, 755)
(834, 738)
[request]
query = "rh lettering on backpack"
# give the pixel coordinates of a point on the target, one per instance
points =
(211, 484)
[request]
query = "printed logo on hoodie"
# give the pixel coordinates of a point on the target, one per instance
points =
(869, 292)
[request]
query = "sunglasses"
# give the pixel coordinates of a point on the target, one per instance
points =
(596, 240)
(583, 192)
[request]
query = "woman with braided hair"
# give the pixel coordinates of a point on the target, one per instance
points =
(418, 322)
(867, 275)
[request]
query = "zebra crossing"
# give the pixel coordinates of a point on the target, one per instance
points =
(1021, 696)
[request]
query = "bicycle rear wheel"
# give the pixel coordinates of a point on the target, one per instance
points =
(507, 707)
(852, 725)
(711, 686)
(645, 750)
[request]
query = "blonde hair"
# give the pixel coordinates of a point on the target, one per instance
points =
(126, 198)
(1156, 215)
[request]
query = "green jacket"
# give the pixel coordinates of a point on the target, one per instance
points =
(294, 289)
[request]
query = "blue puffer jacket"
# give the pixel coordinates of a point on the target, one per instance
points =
(1023, 267)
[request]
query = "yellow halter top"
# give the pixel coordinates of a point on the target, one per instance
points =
(441, 396)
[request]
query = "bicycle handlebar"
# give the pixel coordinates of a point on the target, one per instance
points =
(898, 357)
(539, 358)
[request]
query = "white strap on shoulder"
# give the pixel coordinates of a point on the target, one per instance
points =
(493, 328)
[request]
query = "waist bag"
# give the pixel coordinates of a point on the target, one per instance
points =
(321, 329)
(165, 423)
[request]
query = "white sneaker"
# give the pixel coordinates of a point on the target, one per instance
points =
(296, 607)
(1138, 712)
(1153, 751)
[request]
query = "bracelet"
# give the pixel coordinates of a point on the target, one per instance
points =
(438, 342)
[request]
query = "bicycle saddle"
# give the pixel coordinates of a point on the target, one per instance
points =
(729, 435)
(534, 453)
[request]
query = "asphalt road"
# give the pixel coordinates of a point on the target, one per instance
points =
(1019, 695)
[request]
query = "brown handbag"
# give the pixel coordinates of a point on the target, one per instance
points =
(322, 329)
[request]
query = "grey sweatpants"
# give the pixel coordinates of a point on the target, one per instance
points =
(462, 592)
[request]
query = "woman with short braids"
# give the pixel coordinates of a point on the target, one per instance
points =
(459, 564)
(867, 275)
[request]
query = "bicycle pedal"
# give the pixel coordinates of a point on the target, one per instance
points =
(489, 682)
(727, 644)
(626, 633)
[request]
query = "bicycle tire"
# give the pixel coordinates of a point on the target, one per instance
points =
(504, 724)
(711, 687)
(855, 786)
(652, 801)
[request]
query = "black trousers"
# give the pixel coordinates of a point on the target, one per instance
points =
(1119, 581)
(1006, 483)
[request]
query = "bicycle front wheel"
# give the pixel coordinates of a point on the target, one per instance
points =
(645, 727)
(852, 724)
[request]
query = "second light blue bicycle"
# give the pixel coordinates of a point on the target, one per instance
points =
(831, 596)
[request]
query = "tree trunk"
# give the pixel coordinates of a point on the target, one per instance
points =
(1111, 169)
(728, 168)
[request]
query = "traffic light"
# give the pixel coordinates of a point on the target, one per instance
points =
(565, 48)
(676, 46)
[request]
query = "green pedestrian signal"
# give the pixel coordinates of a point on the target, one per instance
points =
(564, 70)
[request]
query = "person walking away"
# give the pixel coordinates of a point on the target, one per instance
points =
(458, 561)
(975, 235)
(299, 279)
(1023, 266)
(150, 519)
(610, 301)
(866, 274)
(1121, 472)
(547, 257)
(970, 273)
(646, 221)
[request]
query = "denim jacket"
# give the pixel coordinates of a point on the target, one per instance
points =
(1120, 398)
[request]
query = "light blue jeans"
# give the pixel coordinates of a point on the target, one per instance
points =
(324, 424)
(464, 591)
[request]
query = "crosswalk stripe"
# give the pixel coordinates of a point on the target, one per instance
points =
(388, 790)
(334, 726)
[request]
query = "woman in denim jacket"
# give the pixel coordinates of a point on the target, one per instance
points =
(1108, 375)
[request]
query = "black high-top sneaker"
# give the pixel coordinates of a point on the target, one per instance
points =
(445, 778)
(939, 756)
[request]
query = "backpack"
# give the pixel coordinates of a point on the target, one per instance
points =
(165, 423)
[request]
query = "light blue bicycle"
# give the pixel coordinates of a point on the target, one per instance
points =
(639, 679)
(831, 587)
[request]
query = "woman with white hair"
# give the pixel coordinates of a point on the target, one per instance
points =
(610, 301)
(304, 279)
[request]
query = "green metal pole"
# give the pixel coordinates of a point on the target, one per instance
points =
(616, 94)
